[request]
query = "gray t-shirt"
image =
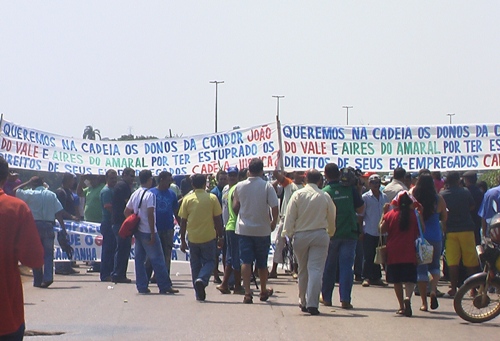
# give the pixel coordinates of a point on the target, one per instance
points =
(458, 202)
(256, 197)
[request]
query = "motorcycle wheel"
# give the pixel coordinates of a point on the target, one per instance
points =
(475, 308)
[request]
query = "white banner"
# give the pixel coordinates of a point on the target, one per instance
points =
(384, 148)
(369, 148)
(86, 240)
(32, 149)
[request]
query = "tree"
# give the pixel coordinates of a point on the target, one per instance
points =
(90, 133)
(491, 178)
(131, 137)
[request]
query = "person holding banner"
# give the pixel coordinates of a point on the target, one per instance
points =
(89, 188)
(121, 194)
(289, 187)
(19, 242)
(68, 202)
(45, 208)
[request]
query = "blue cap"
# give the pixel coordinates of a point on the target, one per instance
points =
(232, 170)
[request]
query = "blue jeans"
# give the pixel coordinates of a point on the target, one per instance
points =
(107, 250)
(167, 244)
(233, 251)
(46, 232)
(156, 257)
(122, 254)
(202, 260)
(358, 259)
(341, 253)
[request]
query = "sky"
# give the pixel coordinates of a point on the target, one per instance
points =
(144, 67)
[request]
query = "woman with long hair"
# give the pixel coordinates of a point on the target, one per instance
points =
(434, 212)
(401, 227)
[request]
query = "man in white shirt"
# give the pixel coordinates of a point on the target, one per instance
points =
(147, 241)
(310, 220)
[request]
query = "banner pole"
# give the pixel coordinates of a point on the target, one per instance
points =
(281, 164)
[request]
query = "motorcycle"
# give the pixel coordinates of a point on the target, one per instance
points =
(478, 299)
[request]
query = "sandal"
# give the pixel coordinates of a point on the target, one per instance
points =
(264, 296)
(434, 302)
(248, 299)
(423, 308)
(400, 312)
(223, 290)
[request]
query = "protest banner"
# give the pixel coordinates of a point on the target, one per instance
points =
(384, 148)
(28, 148)
(86, 240)
(373, 148)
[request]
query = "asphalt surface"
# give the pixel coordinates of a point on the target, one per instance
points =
(80, 307)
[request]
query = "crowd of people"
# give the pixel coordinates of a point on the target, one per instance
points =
(333, 226)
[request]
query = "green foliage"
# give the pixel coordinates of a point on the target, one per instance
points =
(491, 178)
(130, 137)
(91, 133)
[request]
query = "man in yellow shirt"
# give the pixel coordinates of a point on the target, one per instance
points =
(201, 218)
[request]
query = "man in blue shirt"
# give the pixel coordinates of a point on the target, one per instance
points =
(489, 207)
(167, 207)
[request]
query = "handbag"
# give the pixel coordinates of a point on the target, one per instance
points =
(131, 223)
(424, 250)
(380, 252)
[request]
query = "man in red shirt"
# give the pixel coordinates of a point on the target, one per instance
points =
(19, 242)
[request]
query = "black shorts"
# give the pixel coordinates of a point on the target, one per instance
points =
(401, 273)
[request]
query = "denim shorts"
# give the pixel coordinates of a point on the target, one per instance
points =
(254, 248)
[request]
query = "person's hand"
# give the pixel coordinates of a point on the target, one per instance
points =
(220, 243)
(386, 208)
(152, 240)
(184, 246)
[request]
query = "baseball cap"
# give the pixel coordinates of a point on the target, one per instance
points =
(232, 170)
(374, 178)
(368, 174)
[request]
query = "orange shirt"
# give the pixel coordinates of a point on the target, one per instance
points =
(19, 241)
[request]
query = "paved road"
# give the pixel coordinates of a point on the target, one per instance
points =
(83, 308)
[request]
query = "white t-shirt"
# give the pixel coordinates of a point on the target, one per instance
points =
(148, 201)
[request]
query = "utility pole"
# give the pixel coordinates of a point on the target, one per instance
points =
(278, 105)
(450, 115)
(347, 107)
(216, 95)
